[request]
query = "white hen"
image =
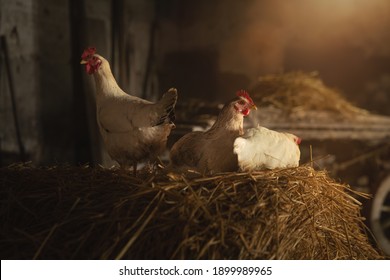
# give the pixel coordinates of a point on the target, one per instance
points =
(262, 148)
(133, 129)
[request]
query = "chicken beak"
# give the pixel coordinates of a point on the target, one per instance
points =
(83, 62)
(254, 107)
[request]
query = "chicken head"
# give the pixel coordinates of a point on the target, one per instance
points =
(245, 103)
(92, 62)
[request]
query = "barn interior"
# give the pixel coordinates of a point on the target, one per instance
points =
(295, 52)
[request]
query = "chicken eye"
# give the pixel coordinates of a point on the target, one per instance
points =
(241, 102)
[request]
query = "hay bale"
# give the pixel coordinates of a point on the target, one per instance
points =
(299, 91)
(95, 213)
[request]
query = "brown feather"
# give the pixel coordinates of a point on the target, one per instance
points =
(211, 151)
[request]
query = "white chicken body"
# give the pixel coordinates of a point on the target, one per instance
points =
(262, 148)
(130, 140)
(133, 129)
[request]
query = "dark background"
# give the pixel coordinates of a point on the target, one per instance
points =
(207, 49)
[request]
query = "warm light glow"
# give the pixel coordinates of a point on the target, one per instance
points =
(274, 26)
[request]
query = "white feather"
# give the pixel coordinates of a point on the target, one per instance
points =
(262, 148)
(133, 129)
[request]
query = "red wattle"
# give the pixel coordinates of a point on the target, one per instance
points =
(245, 112)
(88, 68)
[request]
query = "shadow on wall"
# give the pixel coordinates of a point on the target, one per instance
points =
(196, 75)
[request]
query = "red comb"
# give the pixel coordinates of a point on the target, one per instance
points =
(245, 94)
(88, 52)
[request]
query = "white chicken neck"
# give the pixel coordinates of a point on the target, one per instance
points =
(105, 81)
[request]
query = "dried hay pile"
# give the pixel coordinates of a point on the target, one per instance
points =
(95, 213)
(299, 91)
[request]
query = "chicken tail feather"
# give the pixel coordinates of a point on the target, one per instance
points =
(168, 102)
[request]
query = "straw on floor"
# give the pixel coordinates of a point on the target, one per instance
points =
(69, 212)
